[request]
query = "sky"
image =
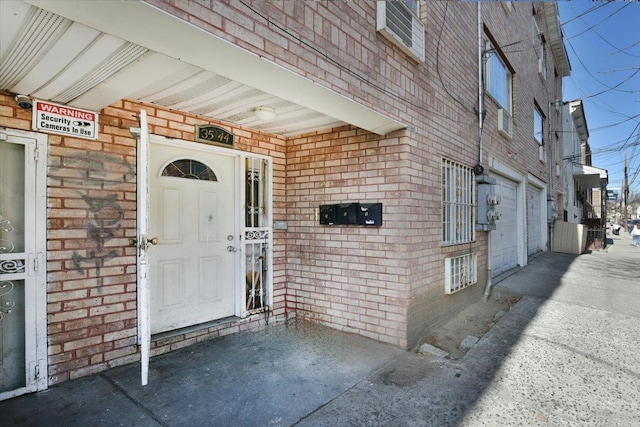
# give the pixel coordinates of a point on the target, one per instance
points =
(603, 43)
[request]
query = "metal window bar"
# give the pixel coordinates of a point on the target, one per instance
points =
(457, 203)
(460, 272)
(254, 192)
(256, 236)
(256, 257)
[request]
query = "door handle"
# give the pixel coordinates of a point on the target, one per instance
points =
(144, 242)
(232, 249)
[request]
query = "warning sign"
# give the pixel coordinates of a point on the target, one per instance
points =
(63, 120)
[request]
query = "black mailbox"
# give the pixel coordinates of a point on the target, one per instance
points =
(370, 214)
(347, 213)
(327, 214)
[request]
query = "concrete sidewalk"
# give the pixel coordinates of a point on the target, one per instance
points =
(566, 354)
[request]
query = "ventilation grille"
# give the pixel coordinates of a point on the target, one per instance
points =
(460, 272)
(400, 25)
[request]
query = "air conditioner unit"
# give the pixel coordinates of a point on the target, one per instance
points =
(398, 23)
(542, 154)
(542, 71)
(505, 123)
(460, 272)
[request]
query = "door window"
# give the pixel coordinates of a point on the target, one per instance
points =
(190, 169)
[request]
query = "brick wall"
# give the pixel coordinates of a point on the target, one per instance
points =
(336, 44)
(91, 214)
(350, 277)
(382, 282)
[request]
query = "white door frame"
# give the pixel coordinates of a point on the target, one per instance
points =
(36, 257)
(142, 243)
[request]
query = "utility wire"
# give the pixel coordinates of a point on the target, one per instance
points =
(444, 86)
(355, 74)
(595, 25)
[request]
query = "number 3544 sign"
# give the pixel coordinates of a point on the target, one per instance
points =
(214, 134)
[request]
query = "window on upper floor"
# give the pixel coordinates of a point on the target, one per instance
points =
(399, 22)
(538, 125)
(458, 224)
(539, 48)
(499, 84)
(498, 78)
(538, 132)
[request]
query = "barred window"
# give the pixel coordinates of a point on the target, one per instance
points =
(457, 203)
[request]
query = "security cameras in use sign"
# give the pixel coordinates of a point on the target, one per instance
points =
(64, 120)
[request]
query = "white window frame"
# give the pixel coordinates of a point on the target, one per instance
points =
(538, 125)
(538, 132)
(504, 74)
(458, 222)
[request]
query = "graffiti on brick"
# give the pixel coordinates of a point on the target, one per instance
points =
(106, 214)
(95, 170)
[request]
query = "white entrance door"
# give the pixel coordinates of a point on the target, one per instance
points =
(193, 266)
(504, 242)
(23, 340)
(534, 220)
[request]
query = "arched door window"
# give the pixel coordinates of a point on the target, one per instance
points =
(190, 169)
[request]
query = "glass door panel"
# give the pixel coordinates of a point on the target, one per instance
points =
(12, 267)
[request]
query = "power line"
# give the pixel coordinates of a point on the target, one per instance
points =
(594, 25)
(357, 75)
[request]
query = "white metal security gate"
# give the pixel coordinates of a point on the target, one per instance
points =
(257, 236)
(23, 329)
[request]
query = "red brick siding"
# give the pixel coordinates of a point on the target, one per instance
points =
(386, 283)
(352, 278)
(91, 214)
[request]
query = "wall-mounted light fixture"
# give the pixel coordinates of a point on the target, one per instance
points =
(264, 113)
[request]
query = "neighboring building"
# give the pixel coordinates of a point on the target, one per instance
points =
(580, 176)
(172, 178)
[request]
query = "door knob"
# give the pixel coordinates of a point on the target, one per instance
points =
(153, 241)
(232, 249)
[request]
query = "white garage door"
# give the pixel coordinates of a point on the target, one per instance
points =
(534, 221)
(504, 241)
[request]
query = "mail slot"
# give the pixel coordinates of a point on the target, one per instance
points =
(327, 214)
(347, 213)
(370, 214)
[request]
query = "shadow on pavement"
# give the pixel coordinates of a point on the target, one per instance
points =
(308, 375)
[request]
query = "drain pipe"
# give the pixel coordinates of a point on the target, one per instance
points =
(480, 86)
(487, 287)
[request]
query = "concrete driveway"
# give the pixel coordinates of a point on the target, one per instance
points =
(566, 354)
